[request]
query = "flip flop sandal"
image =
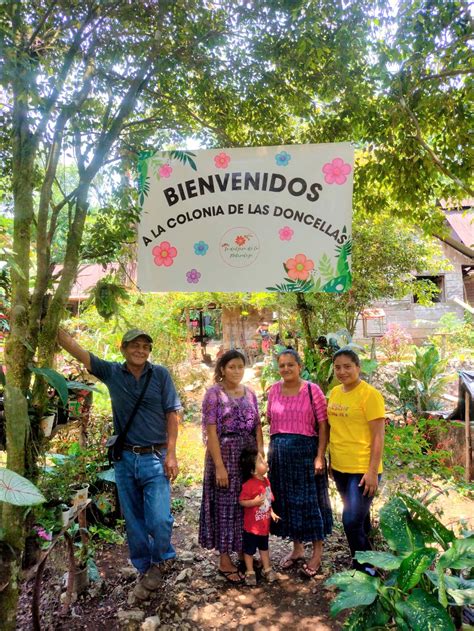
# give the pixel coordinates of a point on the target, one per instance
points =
(288, 562)
(309, 572)
(227, 575)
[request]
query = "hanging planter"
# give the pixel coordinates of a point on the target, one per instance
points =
(46, 424)
(79, 494)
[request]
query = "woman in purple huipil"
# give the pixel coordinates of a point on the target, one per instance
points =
(231, 422)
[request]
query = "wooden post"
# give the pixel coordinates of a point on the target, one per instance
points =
(467, 434)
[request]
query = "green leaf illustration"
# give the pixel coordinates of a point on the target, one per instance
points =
(143, 177)
(290, 286)
(184, 157)
(343, 252)
(338, 284)
(325, 267)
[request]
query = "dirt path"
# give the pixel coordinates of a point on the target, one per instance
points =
(193, 597)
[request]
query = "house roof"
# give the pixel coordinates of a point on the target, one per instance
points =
(461, 224)
(462, 227)
(89, 275)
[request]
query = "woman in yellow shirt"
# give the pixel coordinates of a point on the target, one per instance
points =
(356, 414)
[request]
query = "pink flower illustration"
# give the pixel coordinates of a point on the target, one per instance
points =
(165, 170)
(286, 233)
(164, 254)
(336, 172)
(193, 276)
(240, 240)
(222, 160)
(299, 267)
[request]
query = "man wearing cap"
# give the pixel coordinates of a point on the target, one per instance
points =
(148, 461)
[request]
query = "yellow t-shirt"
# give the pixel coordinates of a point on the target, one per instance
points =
(349, 415)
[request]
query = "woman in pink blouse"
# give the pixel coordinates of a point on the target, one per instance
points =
(298, 437)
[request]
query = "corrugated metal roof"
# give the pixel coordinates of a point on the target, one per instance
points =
(462, 226)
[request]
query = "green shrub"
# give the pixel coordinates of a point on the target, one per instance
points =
(412, 453)
(454, 336)
(421, 585)
(419, 386)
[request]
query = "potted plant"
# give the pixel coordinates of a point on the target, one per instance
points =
(84, 557)
(47, 421)
(79, 493)
(67, 512)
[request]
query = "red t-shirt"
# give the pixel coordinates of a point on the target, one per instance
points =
(257, 518)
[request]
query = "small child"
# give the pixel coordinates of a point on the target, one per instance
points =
(256, 498)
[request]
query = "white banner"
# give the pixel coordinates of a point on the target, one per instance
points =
(246, 219)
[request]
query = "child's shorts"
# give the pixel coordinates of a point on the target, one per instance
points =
(251, 542)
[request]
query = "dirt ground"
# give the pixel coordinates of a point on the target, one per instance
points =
(193, 596)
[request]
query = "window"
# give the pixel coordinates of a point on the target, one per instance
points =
(436, 280)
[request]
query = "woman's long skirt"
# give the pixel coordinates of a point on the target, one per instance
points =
(221, 518)
(301, 496)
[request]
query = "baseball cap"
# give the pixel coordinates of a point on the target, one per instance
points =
(133, 334)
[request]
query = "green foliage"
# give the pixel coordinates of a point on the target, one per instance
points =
(77, 465)
(398, 528)
(103, 534)
(414, 453)
(411, 595)
(433, 530)
(319, 368)
(55, 380)
(16, 489)
(422, 612)
(382, 560)
(107, 297)
(356, 589)
(370, 618)
(177, 504)
(454, 336)
(62, 385)
(420, 385)
(413, 566)
(159, 315)
(381, 242)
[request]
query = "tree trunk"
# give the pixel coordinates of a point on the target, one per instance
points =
(18, 349)
(304, 310)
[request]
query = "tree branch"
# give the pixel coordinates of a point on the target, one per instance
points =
(40, 25)
(447, 73)
(44, 237)
(437, 161)
(63, 74)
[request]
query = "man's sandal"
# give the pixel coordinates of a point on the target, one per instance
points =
(228, 574)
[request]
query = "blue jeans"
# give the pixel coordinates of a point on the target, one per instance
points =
(144, 493)
(356, 512)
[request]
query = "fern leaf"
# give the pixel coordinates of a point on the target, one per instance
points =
(325, 267)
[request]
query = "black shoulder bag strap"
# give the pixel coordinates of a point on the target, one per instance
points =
(116, 447)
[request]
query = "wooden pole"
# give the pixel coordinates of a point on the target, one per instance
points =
(467, 434)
